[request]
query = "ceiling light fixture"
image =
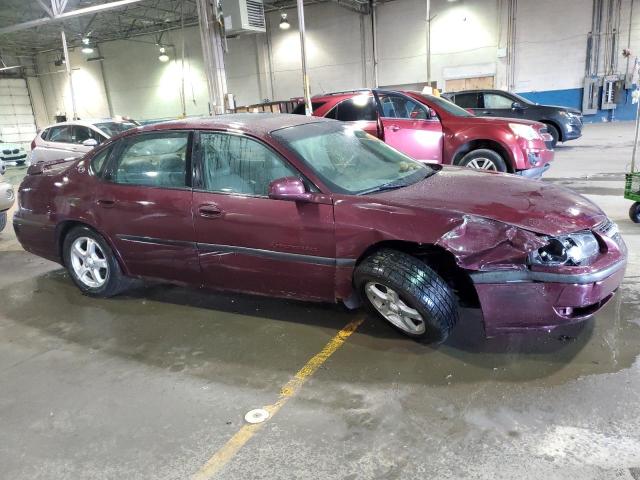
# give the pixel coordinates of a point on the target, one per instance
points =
(163, 57)
(284, 23)
(87, 49)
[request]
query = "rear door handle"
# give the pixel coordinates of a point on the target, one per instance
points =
(209, 210)
(486, 112)
(106, 203)
(395, 128)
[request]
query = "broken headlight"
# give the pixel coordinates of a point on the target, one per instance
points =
(575, 249)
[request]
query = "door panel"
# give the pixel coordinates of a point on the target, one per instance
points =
(248, 242)
(408, 127)
(146, 207)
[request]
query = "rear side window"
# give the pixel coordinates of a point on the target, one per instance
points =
(44, 134)
(299, 110)
(154, 160)
(62, 134)
(467, 100)
(358, 108)
(80, 134)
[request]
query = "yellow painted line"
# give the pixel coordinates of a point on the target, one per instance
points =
(290, 389)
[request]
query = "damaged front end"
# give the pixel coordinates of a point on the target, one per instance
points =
(528, 281)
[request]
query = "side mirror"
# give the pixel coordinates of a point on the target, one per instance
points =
(517, 106)
(90, 142)
(289, 188)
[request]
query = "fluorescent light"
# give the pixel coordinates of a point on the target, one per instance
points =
(284, 23)
(87, 49)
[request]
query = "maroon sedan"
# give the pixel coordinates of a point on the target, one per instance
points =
(434, 130)
(308, 208)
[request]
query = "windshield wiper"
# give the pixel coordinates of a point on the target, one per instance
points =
(395, 185)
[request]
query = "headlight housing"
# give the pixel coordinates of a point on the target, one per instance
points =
(574, 250)
(525, 131)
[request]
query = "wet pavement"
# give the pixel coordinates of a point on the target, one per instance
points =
(150, 384)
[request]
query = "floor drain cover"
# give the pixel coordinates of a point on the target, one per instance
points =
(258, 415)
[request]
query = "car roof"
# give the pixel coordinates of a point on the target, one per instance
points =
(257, 123)
(87, 122)
(478, 90)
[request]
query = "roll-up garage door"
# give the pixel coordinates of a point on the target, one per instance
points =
(17, 124)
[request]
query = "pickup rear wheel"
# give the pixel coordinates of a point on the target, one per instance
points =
(484, 159)
(92, 265)
(3, 220)
(408, 294)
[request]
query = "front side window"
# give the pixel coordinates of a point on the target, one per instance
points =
(398, 106)
(62, 134)
(80, 134)
(98, 161)
(494, 100)
(356, 109)
(239, 164)
(154, 160)
(349, 160)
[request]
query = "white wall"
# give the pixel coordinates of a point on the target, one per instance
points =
(550, 55)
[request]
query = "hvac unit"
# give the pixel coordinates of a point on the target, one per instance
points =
(243, 16)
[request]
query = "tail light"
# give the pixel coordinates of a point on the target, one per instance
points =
(33, 143)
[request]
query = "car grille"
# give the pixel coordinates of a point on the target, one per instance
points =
(6, 152)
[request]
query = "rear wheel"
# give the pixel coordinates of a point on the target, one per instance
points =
(408, 294)
(553, 131)
(3, 220)
(92, 265)
(484, 159)
(634, 213)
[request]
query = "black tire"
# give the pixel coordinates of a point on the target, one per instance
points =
(3, 221)
(634, 213)
(553, 131)
(484, 155)
(418, 286)
(115, 282)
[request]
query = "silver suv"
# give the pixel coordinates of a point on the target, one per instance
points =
(74, 139)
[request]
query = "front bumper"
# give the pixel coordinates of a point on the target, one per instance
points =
(13, 158)
(572, 131)
(515, 301)
(534, 173)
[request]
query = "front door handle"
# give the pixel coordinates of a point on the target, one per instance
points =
(209, 210)
(106, 203)
(486, 112)
(395, 128)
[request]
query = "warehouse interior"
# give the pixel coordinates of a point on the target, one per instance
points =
(170, 381)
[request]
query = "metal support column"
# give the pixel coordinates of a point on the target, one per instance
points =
(374, 37)
(67, 62)
(308, 109)
(429, 42)
(213, 53)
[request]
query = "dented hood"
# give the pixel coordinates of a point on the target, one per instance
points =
(532, 205)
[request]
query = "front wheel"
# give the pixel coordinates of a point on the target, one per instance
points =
(634, 212)
(92, 265)
(555, 134)
(484, 159)
(3, 221)
(408, 294)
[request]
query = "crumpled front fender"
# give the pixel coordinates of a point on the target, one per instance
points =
(482, 244)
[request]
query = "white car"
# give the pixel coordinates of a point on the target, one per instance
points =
(74, 139)
(12, 152)
(7, 197)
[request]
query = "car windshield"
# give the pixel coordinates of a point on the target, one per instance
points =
(114, 128)
(349, 160)
(446, 105)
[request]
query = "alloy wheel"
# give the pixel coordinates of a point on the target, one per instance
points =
(89, 262)
(389, 304)
(482, 163)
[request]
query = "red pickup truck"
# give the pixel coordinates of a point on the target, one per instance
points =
(434, 130)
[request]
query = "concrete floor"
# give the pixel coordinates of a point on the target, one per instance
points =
(152, 383)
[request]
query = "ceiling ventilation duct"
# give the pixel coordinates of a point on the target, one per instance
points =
(243, 16)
